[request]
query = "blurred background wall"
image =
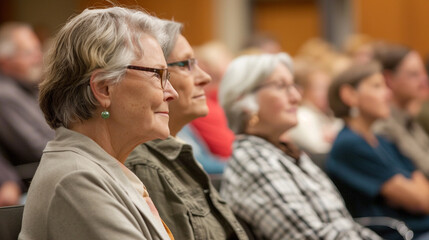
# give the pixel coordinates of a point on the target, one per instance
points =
(291, 22)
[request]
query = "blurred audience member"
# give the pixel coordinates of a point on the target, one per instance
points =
(10, 184)
(319, 51)
(423, 117)
(213, 129)
(317, 128)
(270, 184)
(374, 178)
(181, 190)
(23, 129)
(359, 48)
(263, 42)
(405, 75)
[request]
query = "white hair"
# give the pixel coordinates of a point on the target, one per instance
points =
(237, 88)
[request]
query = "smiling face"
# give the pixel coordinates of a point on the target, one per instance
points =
(373, 97)
(138, 103)
(189, 84)
(278, 101)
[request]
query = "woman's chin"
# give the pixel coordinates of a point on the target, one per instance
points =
(292, 123)
(162, 133)
(165, 134)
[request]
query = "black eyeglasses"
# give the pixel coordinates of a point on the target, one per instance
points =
(162, 73)
(189, 63)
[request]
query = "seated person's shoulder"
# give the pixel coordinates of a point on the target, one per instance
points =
(347, 139)
(63, 163)
(9, 90)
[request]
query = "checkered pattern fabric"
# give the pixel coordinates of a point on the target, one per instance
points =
(282, 198)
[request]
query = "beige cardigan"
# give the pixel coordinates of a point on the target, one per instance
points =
(80, 192)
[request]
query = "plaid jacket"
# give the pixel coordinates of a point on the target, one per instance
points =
(282, 198)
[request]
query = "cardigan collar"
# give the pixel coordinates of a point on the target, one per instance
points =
(69, 140)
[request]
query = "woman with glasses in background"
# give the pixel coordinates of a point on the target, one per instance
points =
(106, 91)
(278, 191)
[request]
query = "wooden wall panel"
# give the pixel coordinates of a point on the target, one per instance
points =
(5, 10)
(291, 22)
(419, 26)
(399, 21)
(196, 15)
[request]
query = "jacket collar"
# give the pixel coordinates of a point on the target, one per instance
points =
(69, 140)
(258, 141)
(402, 117)
(170, 148)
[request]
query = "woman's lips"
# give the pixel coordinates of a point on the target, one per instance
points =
(162, 113)
(200, 96)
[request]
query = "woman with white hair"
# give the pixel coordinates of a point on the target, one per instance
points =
(106, 91)
(268, 183)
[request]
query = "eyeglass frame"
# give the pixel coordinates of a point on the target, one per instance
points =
(280, 86)
(189, 63)
(159, 71)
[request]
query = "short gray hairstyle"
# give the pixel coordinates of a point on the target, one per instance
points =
(237, 88)
(174, 30)
(7, 43)
(97, 39)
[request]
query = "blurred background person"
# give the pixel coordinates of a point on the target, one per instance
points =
(261, 42)
(320, 52)
(106, 91)
(374, 178)
(423, 117)
(317, 127)
(23, 129)
(270, 184)
(406, 77)
(182, 191)
(317, 62)
(359, 47)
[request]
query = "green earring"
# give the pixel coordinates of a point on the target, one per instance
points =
(105, 114)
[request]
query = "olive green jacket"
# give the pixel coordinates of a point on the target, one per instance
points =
(182, 192)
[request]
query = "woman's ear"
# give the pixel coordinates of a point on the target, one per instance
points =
(100, 89)
(388, 78)
(349, 95)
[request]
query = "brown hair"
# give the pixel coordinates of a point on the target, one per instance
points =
(353, 76)
(390, 55)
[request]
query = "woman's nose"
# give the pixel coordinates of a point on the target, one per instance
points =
(170, 93)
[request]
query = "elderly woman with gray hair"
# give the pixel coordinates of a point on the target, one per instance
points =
(106, 91)
(269, 184)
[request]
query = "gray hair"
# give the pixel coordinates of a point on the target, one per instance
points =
(237, 88)
(97, 39)
(173, 30)
(7, 43)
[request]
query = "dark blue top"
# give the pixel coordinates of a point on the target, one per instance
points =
(359, 170)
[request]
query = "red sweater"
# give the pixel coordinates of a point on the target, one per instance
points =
(213, 128)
